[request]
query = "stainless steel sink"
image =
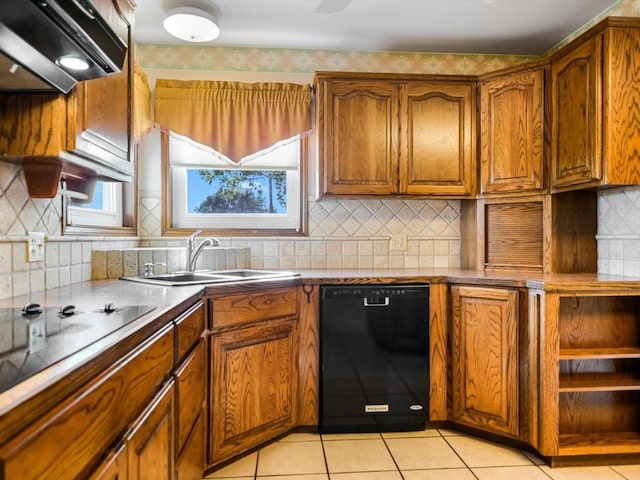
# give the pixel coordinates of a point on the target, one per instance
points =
(251, 274)
(210, 276)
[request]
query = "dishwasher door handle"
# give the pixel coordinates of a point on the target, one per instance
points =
(376, 302)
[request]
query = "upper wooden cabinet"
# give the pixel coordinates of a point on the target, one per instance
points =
(512, 133)
(382, 134)
(595, 109)
(87, 132)
(99, 111)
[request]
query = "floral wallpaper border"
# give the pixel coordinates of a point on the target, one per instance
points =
(235, 59)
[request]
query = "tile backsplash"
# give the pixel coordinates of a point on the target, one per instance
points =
(352, 234)
(618, 235)
(343, 233)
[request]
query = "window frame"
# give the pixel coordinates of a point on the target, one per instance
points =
(128, 199)
(110, 217)
(169, 229)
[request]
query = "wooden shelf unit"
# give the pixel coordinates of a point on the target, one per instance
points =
(590, 373)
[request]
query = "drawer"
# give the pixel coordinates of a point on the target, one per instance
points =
(189, 328)
(252, 307)
(191, 392)
(70, 438)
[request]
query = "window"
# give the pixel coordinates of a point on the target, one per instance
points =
(105, 208)
(263, 192)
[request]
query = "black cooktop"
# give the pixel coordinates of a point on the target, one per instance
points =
(32, 339)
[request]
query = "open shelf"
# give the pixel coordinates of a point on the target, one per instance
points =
(599, 353)
(600, 443)
(599, 374)
(598, 382)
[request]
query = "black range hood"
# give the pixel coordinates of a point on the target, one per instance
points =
(35, 34)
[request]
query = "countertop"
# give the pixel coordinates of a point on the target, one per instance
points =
(76, 369)
(170, 301)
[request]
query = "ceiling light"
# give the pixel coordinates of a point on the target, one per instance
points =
(191, 24)
(73, 62)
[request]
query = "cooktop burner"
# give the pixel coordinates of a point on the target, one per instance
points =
(34, 338)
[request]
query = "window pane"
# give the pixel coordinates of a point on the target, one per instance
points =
(97, 203)
(234, 192)
(105, 208)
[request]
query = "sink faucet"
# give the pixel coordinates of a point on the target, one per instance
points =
(194, 249)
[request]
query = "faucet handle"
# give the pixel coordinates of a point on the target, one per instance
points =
(149, 268)
(194, 235)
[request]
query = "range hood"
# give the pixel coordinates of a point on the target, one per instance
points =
(36, 34)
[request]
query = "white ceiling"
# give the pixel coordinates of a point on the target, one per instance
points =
(527, 27)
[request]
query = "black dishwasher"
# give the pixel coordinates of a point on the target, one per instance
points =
(374, 353)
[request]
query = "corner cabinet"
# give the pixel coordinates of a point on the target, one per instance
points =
(595, 109)
(382, 134)
(254, 369)
(512, 132)
(489, 364)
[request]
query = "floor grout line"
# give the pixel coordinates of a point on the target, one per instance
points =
(402, 474)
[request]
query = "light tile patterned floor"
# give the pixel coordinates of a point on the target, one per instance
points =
(429, 455)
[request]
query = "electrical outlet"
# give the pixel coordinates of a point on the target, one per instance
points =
(399, 241)
(35, 247)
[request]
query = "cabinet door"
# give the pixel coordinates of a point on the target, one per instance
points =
(437, 153)
(576, 116)
(485, 359)
(150, 443)
(254, 384)
(190, 463)
(190, 385)
(511, 132)
(358, 135)
(99, 110)
(114, 467)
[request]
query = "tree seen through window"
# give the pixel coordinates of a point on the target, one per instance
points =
(243, 191)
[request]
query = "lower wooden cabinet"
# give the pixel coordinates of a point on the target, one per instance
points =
(254, 370)
(590, 369)
(71, 438)
(114, 467)
(485, 359)
(141, 418)
(191, 388)
(190, 463)
(151, 442)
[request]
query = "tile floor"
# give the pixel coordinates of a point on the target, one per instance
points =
(429, 455)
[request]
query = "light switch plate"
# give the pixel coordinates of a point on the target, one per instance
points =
(35, 247)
